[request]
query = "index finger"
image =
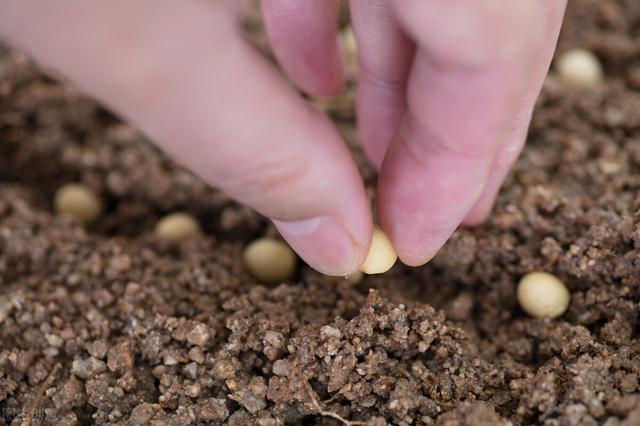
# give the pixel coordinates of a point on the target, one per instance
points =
(204, 96)
(466, 86)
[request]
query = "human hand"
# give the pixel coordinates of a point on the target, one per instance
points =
(445, 95)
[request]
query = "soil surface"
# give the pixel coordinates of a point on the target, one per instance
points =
(107, 324)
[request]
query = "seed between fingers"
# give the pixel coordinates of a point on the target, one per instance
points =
(381, 255)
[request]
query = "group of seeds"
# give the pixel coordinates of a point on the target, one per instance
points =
(271, 260)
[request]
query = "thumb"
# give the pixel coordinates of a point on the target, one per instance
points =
(184, 75)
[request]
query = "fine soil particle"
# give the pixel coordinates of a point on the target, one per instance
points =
(108, 324)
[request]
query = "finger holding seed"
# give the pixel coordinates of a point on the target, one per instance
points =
(381, 255)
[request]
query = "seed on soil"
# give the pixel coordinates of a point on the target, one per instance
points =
(177, 227)
(269, 260)
(543, 295)
(579, 67)
(78, 201)
(381, 255)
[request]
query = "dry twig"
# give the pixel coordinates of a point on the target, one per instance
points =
(38, 399)
(312, 396)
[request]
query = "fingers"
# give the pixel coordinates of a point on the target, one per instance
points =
(465, 89)
(303, 35)
(503, 162)
(385, 55)
(472, 34)
(510, 150)
(183, 74)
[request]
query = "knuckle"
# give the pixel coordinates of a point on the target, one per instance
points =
(432, 142)
(474, 34)
(385, 81)
(262, 178)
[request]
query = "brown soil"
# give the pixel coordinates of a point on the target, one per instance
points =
(109, 325)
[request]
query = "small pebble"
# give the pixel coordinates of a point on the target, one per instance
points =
(542, 295)
(330, 331)
(193, 390)
(120, 358)
(88, 368)
(381, 255)
(199, 335)
(579, 68)
(269, 260)
(78, 201)
(177, 227)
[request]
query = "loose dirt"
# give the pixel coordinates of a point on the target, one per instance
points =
(109, 324)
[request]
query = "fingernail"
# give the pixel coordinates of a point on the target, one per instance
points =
(322, 243)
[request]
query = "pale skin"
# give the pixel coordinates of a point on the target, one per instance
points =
(445, 94)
